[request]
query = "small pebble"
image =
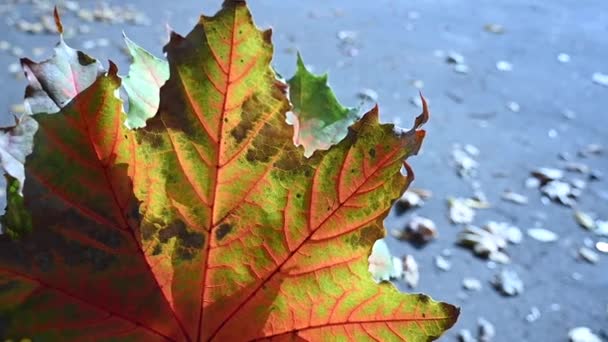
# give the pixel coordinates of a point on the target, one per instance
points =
(461, 68)
(563, 58)
(494, 28)
(465, 335)
(367, 94)
(471, 284)
(514, 197)
(542, 235)
(4, 45)
(454, 58)
(584, 220)
(418, 84)
(513, 106)
(552, 134)
(602, 246)
(504, 66)
(14, 68)
(569, 114)
(534, 315)
(442, 263)
(601, 79)
(17, 51)
(588, 255)
(487, 332)
(416, 101)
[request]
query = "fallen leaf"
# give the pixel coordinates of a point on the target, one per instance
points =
(460, 211)
(545, 174)
(560, 192)
(142, 85)
(419, 230)
(508, 283)
(491, 241)
(16, 144)
(382, 264)
(55, 82)
(410, 271)
(466, 165)
(319, 120)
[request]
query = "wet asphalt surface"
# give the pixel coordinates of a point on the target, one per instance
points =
(396, 43)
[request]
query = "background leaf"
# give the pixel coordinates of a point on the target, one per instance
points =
(56, 81)
(319, 120)
(142, 84)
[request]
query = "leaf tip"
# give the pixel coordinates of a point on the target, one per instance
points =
(58, 23)
(113, 72)
(424, 116)
(409, 174)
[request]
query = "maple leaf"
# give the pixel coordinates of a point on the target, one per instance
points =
(319, 120)
(208, 223)
(55, 82)
(147, 74)
(15, 144)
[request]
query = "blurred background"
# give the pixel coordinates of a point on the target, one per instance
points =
(513, 86)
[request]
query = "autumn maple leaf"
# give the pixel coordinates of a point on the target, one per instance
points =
(207, 223)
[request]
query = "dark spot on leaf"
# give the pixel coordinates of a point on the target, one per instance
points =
(240, 131)
(422, 298)
(84, 59)
(372, 152)
(176, 228)
(369, 235)
(157, 249)
(298, 195)
(192, 239)
(223, 230)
